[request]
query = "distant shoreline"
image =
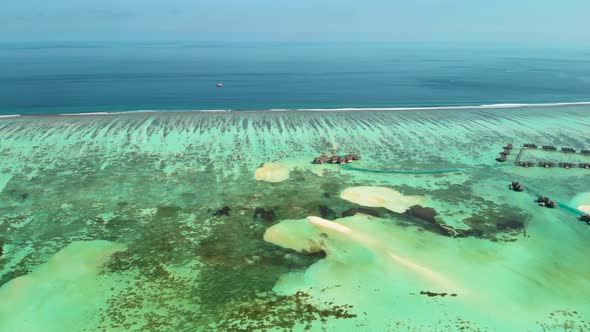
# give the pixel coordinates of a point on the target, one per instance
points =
(318, 110)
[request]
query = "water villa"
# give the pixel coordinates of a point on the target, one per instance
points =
(544, 164)
(568, 150)
(336, 159)
(516, 186)
(546, 202)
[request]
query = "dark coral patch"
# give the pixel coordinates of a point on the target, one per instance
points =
(326, 212)
(510, 225)
(269, 311)
(261, 214)
(167, 211)
(122, 204)
(317, 255)
(507, 222)
(331, 186)
(224, 211)
(434, 294)
(368, 211)
(423, 213)
(429, 216)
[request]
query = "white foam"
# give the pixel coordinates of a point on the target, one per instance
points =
(140, 111)
(342, 109)
(485, 106)
(89, 113)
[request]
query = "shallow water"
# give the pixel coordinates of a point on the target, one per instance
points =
(119, 222)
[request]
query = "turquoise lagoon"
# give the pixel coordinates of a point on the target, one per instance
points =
(189, 221)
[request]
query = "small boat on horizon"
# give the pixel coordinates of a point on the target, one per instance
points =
(219, 85)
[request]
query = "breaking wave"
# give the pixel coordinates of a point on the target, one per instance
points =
(343, 109)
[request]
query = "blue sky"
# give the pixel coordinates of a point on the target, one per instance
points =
(514, 21)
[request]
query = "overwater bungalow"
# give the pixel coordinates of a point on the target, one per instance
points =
(546, 202)
(585, 165)
(525, 163)
(352, 156)
(530, 145)
(549, 148)
(320, 160)
(336, 159)
(516, 186)
(546, 164)
(501, 159)
(586, 218)
(568, 150)
(585, 152)
(567, 165)
(508, 146)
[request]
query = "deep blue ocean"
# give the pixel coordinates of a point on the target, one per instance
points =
(52, 78)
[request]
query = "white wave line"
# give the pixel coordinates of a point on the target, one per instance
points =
(343, 109)
(426, 108)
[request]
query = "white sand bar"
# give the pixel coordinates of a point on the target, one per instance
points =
(385, 197)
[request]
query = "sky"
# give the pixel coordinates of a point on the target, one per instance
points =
(511, 21)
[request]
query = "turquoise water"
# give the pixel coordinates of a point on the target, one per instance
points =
(537, 192)
(53, 78)
(199, 222)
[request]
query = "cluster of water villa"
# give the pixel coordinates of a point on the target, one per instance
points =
(336, 159)
(221, 222)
